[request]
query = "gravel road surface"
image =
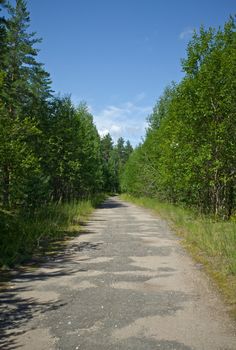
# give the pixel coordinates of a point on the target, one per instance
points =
(124, 283)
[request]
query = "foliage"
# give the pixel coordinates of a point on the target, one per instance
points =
(114, 160)
(50, 150)
(23, 235)
(188, 155)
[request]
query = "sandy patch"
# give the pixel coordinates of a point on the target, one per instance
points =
(84, 285)
(98, 260)
(150, 262)
(37, 339)
(141, 287)
(40, 296)
(183, 327)
(136, 273)
(93, 273)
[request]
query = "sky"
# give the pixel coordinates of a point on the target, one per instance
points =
(119, 55)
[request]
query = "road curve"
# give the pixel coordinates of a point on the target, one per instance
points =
(123, 283)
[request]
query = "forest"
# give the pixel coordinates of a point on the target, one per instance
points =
(188, 156)
(50, 151)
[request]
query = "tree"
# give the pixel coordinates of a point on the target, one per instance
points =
(189, 151)
(19, 125)
(127, 151)
(90, 156)
(108, 168)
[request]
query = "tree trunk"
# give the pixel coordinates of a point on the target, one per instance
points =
(6, 186)
(230, 201)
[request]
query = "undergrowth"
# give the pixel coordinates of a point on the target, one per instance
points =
(21, 234)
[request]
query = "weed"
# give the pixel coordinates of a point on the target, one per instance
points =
(21, 235)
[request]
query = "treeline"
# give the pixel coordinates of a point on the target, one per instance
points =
(50, 150)
(189, 153)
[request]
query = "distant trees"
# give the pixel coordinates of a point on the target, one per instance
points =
(189, 154)
(114, 159)
(49, 149)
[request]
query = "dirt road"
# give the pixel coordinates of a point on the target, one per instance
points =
(124, 283)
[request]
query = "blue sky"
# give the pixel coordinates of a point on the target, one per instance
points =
(118, 55)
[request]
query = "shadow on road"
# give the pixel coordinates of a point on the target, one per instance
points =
(112, 204)
(15, 309)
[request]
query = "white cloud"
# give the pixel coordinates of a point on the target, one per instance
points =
(186, 34)
(116, 129)
(127, 120)
(103, 132)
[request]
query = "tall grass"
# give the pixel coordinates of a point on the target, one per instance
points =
(211, 242)
(22, 234)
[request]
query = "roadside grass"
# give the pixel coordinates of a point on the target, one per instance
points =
(22, 235)
(210, 242)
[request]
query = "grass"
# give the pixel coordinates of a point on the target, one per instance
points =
(22, 235)
(210, 242)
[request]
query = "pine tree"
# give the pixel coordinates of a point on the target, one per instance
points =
(23, 79)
